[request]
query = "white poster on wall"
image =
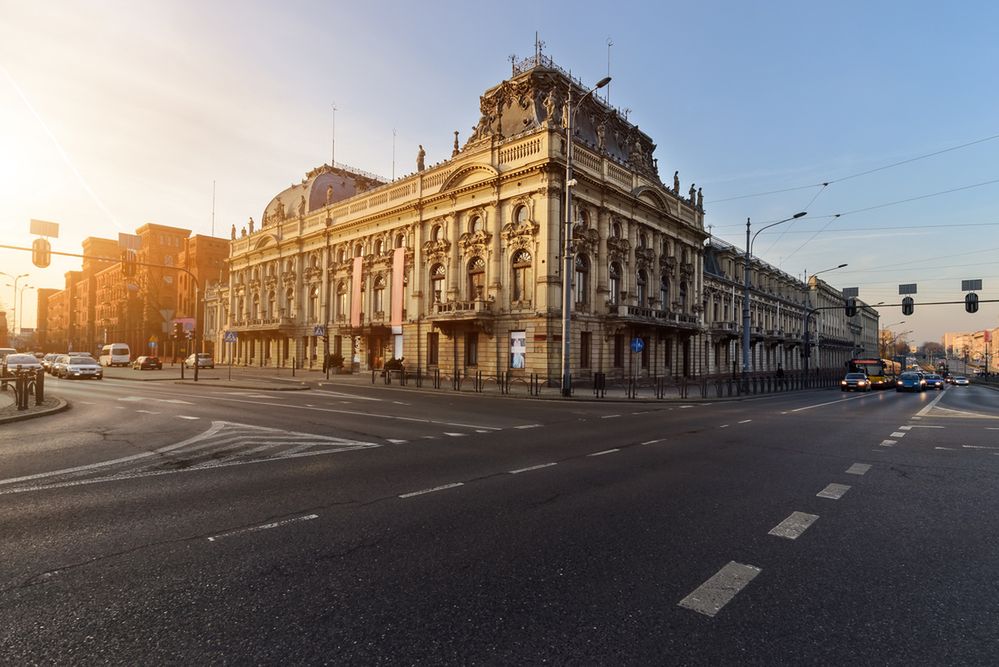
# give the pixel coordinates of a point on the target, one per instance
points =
(518, 349)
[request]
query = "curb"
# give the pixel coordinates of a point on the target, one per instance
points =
(61, 407)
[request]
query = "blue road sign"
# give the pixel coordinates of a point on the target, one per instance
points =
(230, 337)
(319, 330)
(637, 345)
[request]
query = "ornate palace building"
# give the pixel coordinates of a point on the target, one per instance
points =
(457, 266)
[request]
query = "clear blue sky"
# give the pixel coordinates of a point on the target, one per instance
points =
(113, 114)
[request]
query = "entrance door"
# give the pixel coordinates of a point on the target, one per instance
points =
(376, 350)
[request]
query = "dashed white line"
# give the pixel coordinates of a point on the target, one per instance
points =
(482, 430)
(526, 426)
(898, 434)
(904, 428)
(266, 526)
(148, 412)
(950, 449)
(529, 468)
(888, 443)
(833, 491)
(718, 591)
(793, 526)
(978, 447)
(745, 421)
(436, 488)
(396, 441)
(926, 426)
(652, 442)
(609, 416)
(187, 417)
(455, 435)
(606, 451)
(858, 468)
(723, 426)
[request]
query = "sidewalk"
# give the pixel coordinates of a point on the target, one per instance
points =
(9, 412)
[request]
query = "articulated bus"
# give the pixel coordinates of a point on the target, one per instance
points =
(881, 372)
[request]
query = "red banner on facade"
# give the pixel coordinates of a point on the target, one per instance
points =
(398, 274)
(355, 293)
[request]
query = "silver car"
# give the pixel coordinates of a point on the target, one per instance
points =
(72, 366)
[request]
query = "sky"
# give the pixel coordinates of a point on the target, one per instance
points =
(115, 114)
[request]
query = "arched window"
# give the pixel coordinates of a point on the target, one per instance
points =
(683, 297)
(584, 218)
(686, 256)
(437, 233)
(616, 230)
(437, 274)
(378, 247)
(314, 260)
(664, 292)
(341, 256)
(378, 292)
(255, 313)
(476, 278)
(476, 224)
(341, 300)
(271, 304)
(241, 307)
(643, 240)
(314, 303)
(520, 289)
(582, 282)
(615, 283)
(400, 240)
(642, 284)
(289, 301)
(666, 249)
(358, 250)
(520, 214)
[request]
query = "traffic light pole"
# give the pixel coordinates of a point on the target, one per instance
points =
(197, 283)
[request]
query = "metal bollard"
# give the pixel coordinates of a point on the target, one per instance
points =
(39, 386)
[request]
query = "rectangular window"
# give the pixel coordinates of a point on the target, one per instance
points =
(618, 350)
(585, 348)
(433, 348)
(472, 349)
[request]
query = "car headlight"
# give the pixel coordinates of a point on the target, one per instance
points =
(899, 383)
(843, 382)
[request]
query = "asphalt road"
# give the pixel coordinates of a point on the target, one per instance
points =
(166, 524)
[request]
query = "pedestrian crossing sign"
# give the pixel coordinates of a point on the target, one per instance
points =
(230, 336)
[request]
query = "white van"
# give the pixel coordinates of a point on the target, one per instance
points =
(115, 354)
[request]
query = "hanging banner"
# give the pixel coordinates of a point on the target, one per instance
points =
(355, 293)
(518, 349)
(398, 275)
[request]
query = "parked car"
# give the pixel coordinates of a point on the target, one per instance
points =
(204, 360)
(80, 367)
(934, 381)
(910, 382)
(147, 363)
(961, 381)
(48, 360)
(25, 361)
(855, 381)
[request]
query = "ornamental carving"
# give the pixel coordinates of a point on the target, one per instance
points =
(437, 251)
(270, 282)
(585, 239)
(644, 257)
(475, 242)
(617, 249)
(313, 274)
(512, 230)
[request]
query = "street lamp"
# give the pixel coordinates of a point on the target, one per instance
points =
(20, 306)
(745, 289)
(884, 339)
(13, 306)
(567, 237)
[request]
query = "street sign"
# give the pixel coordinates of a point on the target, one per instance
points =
(971, 285)
(45, 228)
(907, 288)
(319, 330)
(637, 345)
(230, 337)
(851, 292)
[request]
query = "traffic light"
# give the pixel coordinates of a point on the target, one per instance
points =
(178, 331)
(971, 303)
(41, 253)
(908, 306)
(851, 307)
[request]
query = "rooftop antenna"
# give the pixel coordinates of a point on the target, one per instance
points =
(213, 207)
(538, 45)
(610, 43)
(393, 153)
(333, 143)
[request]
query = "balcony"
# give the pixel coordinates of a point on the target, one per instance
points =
(653, 315)
(724, 330)
(464, 309)
(263, 323)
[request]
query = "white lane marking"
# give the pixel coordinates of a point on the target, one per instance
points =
(926, 426)
(950, 449)
(652, 442)
(455, 435)
(609, 416)
(686, 406)
(858, 468)
(266, 526)
(718, 591)
(925, 411)
(642, 412)
(529, 468)
(187, 417)
(723, 426)
(606, 451)
(87, 403)
(839, 400)
(991, 428)
(833, 491)
(339, 394)
(888, 443)
(978, 447)
(904, 428)
(898, 434)
(482, 430)
(428, 437)
(436, 488)
(526, 426)
(745, 421)
(148, 412)
(396, 441)
(309, 405)
(793, 526)
(399, 403)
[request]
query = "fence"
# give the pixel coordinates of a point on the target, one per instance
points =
(26, 383)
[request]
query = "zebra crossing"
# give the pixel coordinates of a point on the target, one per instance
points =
(223, 444)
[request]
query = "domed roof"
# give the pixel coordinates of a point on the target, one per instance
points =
(322, 186)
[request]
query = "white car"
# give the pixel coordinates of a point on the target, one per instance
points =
(961, 381)
(80, 368)
(204, 360)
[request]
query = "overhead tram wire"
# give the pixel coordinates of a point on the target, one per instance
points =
(786, 229)
(860, 173)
